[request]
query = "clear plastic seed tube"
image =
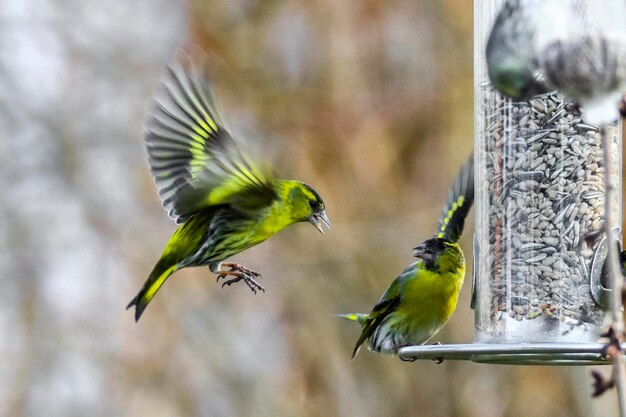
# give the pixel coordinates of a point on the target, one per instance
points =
(540, 196)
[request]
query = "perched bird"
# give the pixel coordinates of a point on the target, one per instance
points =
(421, 300)
(510, 52)
(223, 202)
(577, 47)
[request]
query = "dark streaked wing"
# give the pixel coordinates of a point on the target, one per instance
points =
(381, 310)
(458, 204)
(194, 159)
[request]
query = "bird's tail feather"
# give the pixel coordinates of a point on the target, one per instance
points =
(358, 317)
(162, 270)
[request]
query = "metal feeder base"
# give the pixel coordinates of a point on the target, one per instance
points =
(513, 353)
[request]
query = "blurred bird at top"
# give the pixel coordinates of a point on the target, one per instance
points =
(419, 302)
(510, 53)
(223, 201)
(575, 46)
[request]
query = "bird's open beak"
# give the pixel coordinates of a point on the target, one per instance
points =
(421, 252)
(317, 219)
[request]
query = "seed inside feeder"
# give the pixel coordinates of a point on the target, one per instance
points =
(540, 191)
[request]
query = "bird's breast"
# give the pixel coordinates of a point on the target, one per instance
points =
(432, 297)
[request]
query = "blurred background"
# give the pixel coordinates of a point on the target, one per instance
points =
(368, 101)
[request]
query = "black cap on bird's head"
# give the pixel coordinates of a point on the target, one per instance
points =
(318, 209)
(430, 249)
(440, 254)
(304, 204)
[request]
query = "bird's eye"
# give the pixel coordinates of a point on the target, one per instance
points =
(314, 204)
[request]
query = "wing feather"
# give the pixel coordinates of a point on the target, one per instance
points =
(458, 204)
(375, 318)
(194, 160)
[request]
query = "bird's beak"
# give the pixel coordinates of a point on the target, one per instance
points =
(317, 219)
(421, 252)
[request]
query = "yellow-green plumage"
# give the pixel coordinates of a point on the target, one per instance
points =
(420, 301)
(431, 297)
(224, 203)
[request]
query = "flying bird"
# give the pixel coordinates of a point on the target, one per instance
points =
(223, 201)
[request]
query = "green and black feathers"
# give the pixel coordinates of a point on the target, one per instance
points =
(458, 204)
(194, 159)
(422, 298)
(223, 202)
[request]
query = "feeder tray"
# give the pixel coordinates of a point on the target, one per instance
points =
(513, 353)
(538, 291)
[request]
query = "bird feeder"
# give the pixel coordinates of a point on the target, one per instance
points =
(538, 291)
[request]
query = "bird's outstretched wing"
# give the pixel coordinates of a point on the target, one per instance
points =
(458, 204)
(194, 159)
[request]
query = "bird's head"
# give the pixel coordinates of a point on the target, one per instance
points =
(303, 203)
(516, 81)
(441, 254)
(511, 57)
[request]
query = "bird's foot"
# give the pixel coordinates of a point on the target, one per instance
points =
(239, 273)
(440, 359)
(405, 359)
(436, 360)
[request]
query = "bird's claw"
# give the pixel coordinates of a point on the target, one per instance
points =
(250, 282)
(439, 359)
(240, 272)
(402, 358)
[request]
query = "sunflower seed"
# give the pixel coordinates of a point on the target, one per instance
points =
(542, 193)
